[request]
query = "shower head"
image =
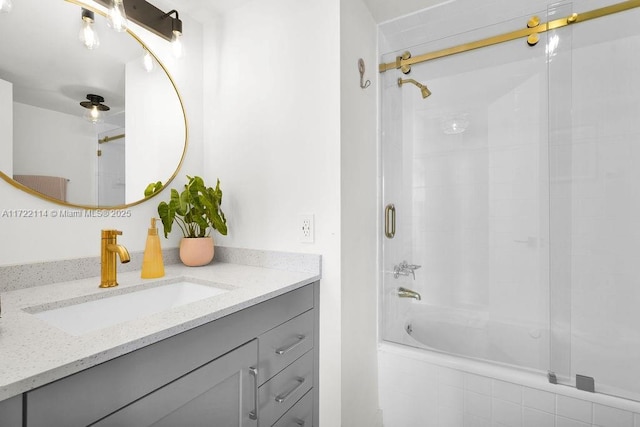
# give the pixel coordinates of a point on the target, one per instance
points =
(423, 88)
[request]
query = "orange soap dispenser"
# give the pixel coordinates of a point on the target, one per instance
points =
(152, 264)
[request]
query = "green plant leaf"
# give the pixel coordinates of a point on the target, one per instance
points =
(196, 209)
(167, 215)
(152, 188)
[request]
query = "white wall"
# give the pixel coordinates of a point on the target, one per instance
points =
(272, 136)
(154, 121)
(6, 127)
(359, 208)
(27, 240)
(59, 145)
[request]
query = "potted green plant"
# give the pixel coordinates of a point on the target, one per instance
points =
(196, 211)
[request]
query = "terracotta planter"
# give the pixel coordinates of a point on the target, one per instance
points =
(196, 251)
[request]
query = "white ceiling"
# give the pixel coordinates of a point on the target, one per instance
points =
(381, 10)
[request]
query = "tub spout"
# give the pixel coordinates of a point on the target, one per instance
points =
(408, 293)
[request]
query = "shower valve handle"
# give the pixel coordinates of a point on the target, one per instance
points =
(404, 269)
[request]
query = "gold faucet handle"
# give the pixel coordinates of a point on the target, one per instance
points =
(111, 233)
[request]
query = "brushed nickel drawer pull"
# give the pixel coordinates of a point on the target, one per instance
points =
(253, 415)
(299, 422)
(281, 398)
(283, 350)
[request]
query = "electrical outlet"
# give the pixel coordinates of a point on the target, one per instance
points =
(305, 228)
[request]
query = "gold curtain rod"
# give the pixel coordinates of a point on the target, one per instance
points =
(404, 62)
(110, 138)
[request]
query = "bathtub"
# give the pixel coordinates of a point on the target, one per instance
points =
(473, 334)
(501, 380)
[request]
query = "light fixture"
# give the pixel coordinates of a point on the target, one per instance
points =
(117, 16)
(147, 61)
(5, 6)
(94, 107)
(146, 15)
(88, 35)
(176, 30)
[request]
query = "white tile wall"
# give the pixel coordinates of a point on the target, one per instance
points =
(477, 405)
(605, 416)
(533, 418)
(507, 413)
(477, 384)
(540, 400)
(416, 393)
(575, 409)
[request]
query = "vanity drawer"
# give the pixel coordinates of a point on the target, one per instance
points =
(281, 392)
(300, 415)
(282, 345)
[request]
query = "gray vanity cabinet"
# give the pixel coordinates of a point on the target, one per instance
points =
(204, 376)
(217, 394)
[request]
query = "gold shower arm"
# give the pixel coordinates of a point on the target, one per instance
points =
(534, 28)
(110, 138)
(423, 88)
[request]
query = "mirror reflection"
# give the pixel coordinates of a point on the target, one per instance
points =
(130, 129)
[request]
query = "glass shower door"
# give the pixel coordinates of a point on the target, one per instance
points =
(516, 189)
(595, 203)
(110, 172)
(466, 169)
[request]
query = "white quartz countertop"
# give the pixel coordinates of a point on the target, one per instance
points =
(34, 353)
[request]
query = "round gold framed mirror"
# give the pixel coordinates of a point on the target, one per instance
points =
(87, 128)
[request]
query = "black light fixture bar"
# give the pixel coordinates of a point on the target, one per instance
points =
(148, 16)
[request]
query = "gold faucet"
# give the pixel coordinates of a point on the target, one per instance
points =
(109, 249)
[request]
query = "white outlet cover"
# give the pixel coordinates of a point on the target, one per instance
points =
(305, 228)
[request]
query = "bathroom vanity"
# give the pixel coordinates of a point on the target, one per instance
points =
(251, 360)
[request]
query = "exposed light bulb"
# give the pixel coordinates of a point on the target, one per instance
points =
(176, 45)
(117, 18)
(93, 115)
(94, 107)
(5, 6)
(88, 36)
(147, 61)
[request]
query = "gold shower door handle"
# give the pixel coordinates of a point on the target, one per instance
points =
(390, 221)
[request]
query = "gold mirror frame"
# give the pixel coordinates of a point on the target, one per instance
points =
(33, 192)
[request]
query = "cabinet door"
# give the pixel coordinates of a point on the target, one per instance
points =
(220, 393)
(11, 412)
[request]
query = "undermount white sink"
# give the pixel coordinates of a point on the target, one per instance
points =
(78, 319)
